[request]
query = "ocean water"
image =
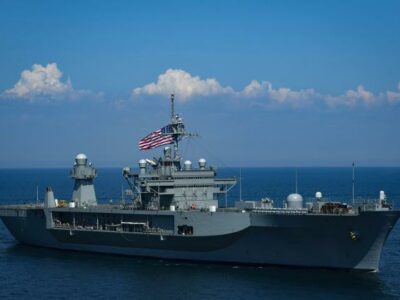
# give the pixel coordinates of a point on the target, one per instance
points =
(30, 272)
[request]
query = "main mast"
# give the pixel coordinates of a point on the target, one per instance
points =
(170, 134)
(177, 129)
(165, 182)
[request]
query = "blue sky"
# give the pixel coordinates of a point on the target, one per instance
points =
(265, 83)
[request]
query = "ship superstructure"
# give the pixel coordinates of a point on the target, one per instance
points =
(173, 213)
(164, 183)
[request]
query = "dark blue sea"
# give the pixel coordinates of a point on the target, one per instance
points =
(35, 273)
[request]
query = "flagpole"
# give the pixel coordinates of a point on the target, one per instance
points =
(174, 128)
(240, 184)
(172, 108)
(353, 182)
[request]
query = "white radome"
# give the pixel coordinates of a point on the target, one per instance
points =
(81, 156)
(294, 201)
(188, 165)
(295, 197)
(202, 163)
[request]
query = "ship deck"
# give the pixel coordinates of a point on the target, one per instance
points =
(18, 209)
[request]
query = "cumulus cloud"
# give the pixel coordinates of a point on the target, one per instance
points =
(44, 83)
(40, 81)
(256, 89)
(352, 97)
(394, 97)
(263, 93)
(184, 85)
(282, 95)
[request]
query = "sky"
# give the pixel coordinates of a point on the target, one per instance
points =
(263, 83)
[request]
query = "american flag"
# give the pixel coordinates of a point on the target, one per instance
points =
(157, 138)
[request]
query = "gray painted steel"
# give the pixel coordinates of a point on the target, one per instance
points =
(173, 213)
(234, 237)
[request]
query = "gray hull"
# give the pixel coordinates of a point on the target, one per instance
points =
(289, 240)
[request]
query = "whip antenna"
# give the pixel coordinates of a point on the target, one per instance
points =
(353, 181)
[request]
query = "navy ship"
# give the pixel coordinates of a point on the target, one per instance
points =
(172, 213)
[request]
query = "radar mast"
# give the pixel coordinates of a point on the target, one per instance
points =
(178, 131)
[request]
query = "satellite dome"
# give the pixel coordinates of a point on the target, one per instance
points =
(202, 163)
(294, 201)
(187, 164)
(81, 156)
(318, 195)
(81, 159)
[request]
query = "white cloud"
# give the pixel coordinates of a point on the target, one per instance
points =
(184, 85)
(40, 81)
(281, 95)
(43, 83)
(352, 97)
(256, 89)
(394, 97)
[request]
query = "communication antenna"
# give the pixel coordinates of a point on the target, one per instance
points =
(240, 184)
(122, 195)
(172, 108)
(37, 194)
(296, 181)
(353, 181)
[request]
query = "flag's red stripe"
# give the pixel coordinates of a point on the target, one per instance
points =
(155, 139)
